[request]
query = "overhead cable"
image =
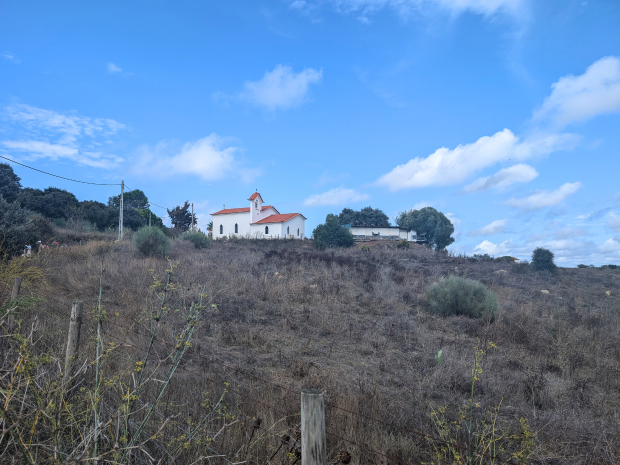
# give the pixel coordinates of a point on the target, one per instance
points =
(55, 175)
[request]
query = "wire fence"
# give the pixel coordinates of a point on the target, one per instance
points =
(166, 347)
(212, 359)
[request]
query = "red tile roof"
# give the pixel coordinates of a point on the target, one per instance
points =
(280, 218)
(240, 210)
(254, 195)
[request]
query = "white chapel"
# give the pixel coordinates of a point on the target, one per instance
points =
(258, 221)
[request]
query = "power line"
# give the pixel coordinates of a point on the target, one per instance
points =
(77, 180)
(150, 203)
(56, 176)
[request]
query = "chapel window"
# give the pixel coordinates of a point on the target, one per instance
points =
(221, 229)
(266, 229)
(236, 228)
(298, 231)
(288, 231)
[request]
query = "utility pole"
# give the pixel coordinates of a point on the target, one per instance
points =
(120, 216)
(193, 217)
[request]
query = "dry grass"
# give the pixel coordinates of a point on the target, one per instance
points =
(353, 322)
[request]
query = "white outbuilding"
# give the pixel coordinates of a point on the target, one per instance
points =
(258, 221)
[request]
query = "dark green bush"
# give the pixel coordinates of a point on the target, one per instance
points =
(331, 234)
(199, 239)
(403, 244)
(151, 242)
(581, 265)
(460, 296)
(542, 260)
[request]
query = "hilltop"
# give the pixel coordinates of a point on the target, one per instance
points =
(353, 322)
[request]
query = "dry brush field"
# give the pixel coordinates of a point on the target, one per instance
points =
(353, 323)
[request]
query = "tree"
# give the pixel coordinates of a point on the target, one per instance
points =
(9, 183)
(51, 202)
(134, 199)
(542, 260)
(99, 214)
(434, 224)
(332, 234)
(20, 227)
(181, 217)
(365, 217)
(132, 218)
(155, 220)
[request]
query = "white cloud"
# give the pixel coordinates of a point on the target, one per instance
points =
(281, 88)
(11, 57)
(456, 223)
(568, 233)
(613, 222)
(496, 227)
(211, 158)
(610, 246)
(49, 134)
(405, 8)
(328, 178)
(112, 68)
(336, 196)
(543, 199)
(503, 178)
(488, 247)
(577, 98)
(453, 219)
(446, 166)
(422, 204)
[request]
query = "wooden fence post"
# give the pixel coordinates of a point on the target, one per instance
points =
(73, 340)
(17, 282)
(313, 447)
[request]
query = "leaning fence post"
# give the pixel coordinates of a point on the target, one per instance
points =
(17, 282)
(73, 340)
(313, 448)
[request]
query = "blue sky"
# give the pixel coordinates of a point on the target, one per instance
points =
(503, 114)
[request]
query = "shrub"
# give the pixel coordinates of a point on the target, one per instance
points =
(199, 239)
(542, 260)
(460, 296)
(151, 242)
(581, 265)
(331, 234)
(403, 244)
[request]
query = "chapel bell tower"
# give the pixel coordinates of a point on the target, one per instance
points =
(256, 203)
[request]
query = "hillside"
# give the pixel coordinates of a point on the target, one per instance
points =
(353, 322)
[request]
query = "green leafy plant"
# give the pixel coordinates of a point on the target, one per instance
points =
(542, 260)
(438, 357)
(331, 234)
(436, 226)
(151, 242)
(198, 238)
(403, 244)
(461, 296)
